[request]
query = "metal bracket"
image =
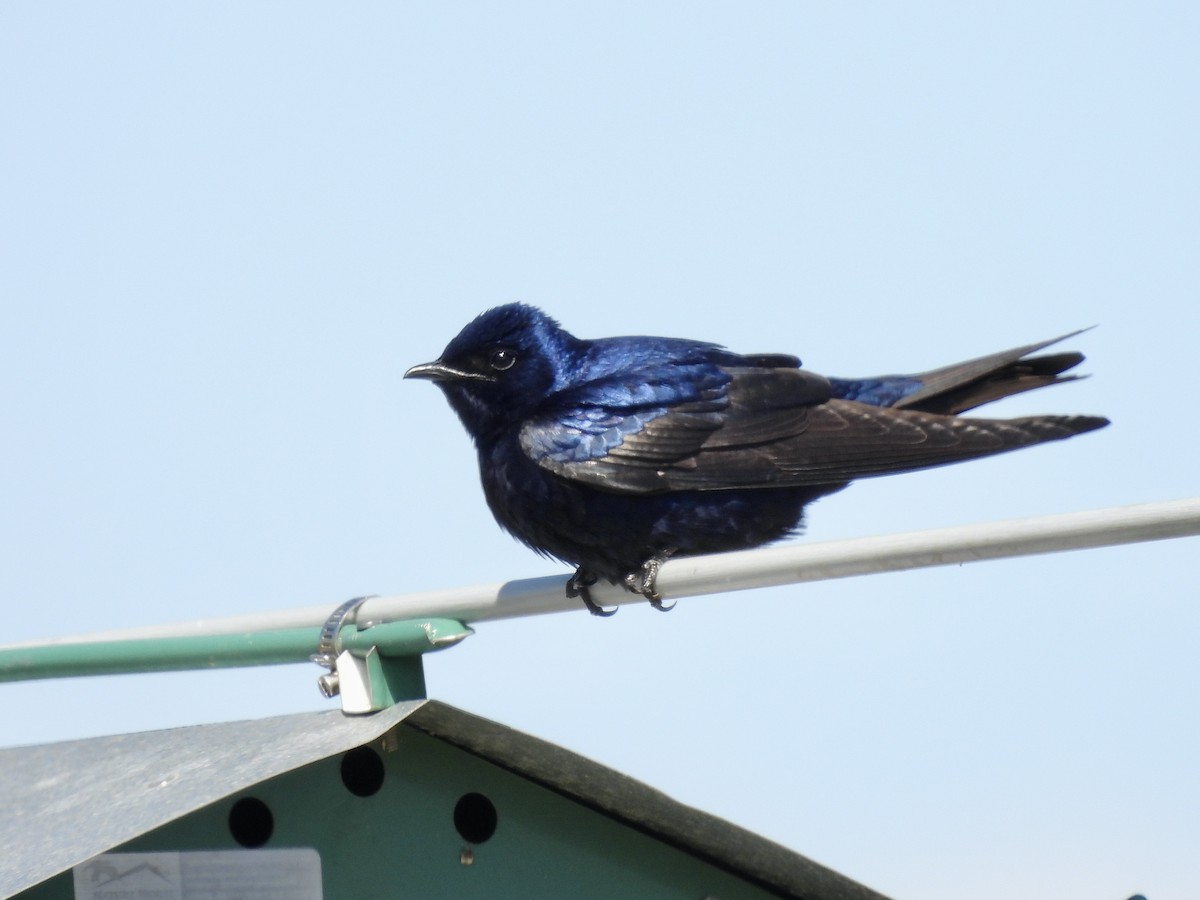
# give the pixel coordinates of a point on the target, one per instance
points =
(329, 653)
(376, 664)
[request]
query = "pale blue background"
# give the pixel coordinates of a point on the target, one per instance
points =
(227, 229)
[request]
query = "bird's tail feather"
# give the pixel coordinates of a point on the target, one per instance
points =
(956, 388)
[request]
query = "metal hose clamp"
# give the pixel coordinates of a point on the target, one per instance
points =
(328, 646)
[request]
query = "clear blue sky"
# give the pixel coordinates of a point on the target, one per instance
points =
(228, 228)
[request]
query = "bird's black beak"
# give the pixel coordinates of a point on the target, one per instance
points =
(439, 371)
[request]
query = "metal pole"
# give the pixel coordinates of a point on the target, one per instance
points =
(788, 564)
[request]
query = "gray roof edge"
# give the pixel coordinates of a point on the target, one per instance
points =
(639, 806)
(112, 789)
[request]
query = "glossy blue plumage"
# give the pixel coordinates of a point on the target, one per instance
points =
(609, 452)
(886, 391)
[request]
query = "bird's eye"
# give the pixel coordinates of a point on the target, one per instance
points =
(502, 359)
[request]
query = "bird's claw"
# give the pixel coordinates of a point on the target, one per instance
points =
(644, 582)
(578, 586)
(658, 604)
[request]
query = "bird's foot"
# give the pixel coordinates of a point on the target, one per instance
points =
(579, 584)
(644, 581)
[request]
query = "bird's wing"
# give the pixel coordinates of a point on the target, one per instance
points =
(617, 431)
(756, 428)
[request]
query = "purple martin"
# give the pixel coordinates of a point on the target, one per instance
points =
(616, 454)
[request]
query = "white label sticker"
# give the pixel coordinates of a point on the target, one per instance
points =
(291, 874)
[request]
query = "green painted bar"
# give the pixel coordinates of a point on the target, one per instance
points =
(394, 639)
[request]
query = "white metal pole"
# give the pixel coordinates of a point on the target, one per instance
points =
(788, 564)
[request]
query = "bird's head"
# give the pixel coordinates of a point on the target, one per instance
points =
(500, 367)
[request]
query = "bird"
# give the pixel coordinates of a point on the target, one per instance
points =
(616, 454)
